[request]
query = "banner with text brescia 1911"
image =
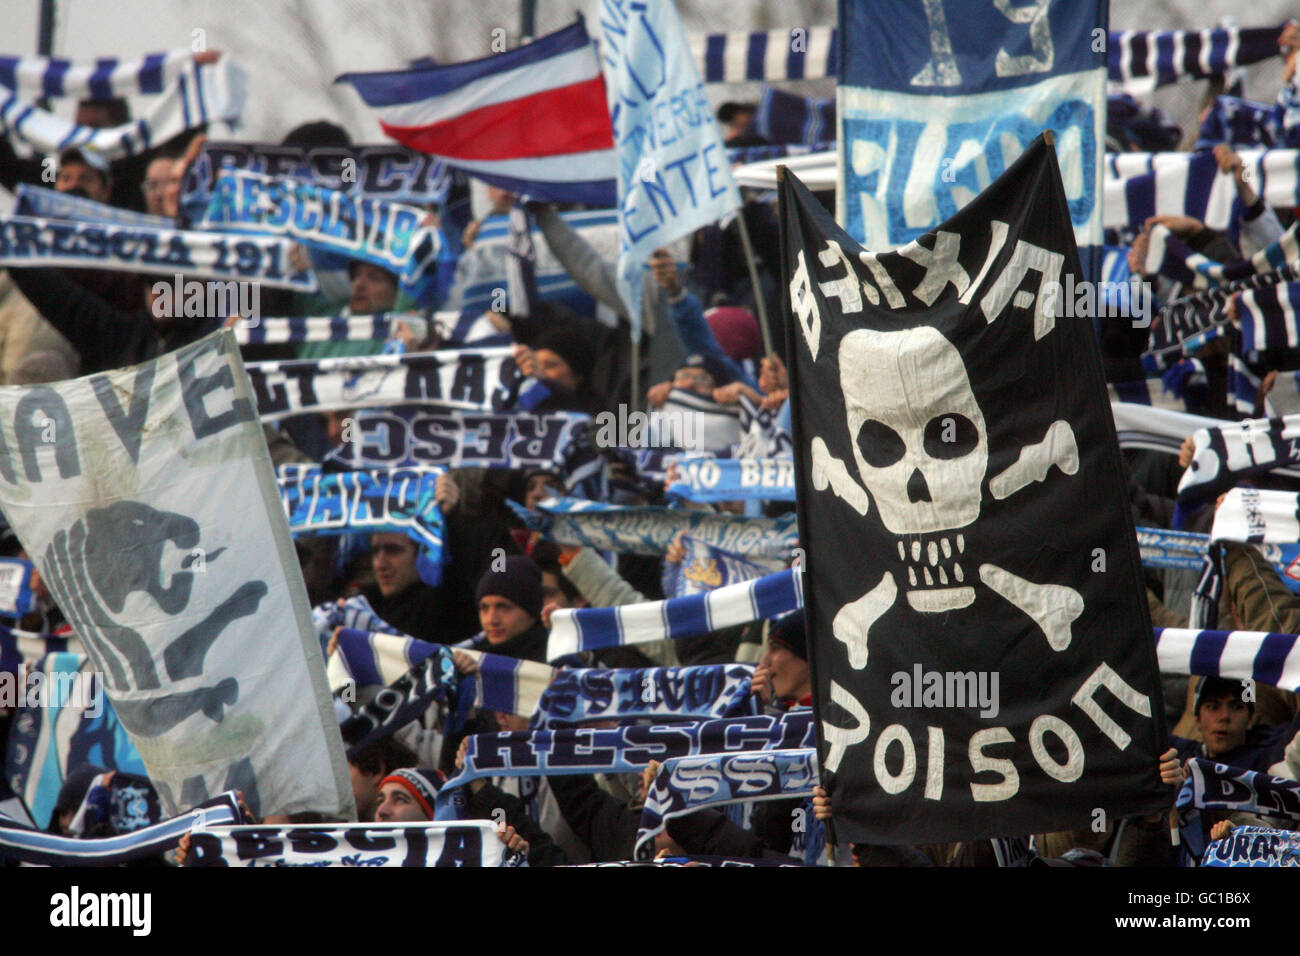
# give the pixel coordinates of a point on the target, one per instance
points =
(980, 638)
(966, 87)
(146, 499)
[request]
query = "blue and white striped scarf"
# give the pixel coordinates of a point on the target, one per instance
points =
(16, 597)
(104, 78)
(194, 95)
(1268, 317)
(686, 784)
(1172, 258)
(522, 297)
(1140, 185)
(1243, 387)
(1141, 60)
(1254, 846)
(23, 844)
(300, 329)
(41, 203)
(635, 693)
(649, 530)
(26, 241)
(1242, 124)
(1217, 786)
(469, 379)
(734, 479)
(784, 117)
(502, 683)
(591, 629)
(430, 682)
(624, 749)
(1138, 60)
(397, 499)
(1266, 658)
(705, 568)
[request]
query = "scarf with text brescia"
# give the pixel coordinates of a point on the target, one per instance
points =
(430, 682)
(648, 530)
(594, 628)
(1232, 452)
(44, 203)
(732, 479)
(1246, 515)
(1217, 786)
(28, 241)
(25, 845)
(375, 171)
(686, 784)
(386, 234)
(1254, 846)
(626, 749)
(397, 499)
(1141, 185)
(193, 96)
(706, 568)
(462, 843)
(634, 693)
(387, 439)
(501, 683)
(1171, 257)
(1265, 658)
(479, 380)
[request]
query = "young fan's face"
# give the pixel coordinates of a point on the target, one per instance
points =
(502, 619)
(393, 557)
(790, 672)
(396, 805)
(1223, 723)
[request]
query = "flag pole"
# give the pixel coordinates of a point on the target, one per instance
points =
(760, 306)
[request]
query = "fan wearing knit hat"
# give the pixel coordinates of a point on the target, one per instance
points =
(408, 795)
(509, 600)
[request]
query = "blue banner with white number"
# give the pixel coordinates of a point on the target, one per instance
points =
(966, 88)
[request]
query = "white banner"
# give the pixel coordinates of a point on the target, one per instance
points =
(146, 499)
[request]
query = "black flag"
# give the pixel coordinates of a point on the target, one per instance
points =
(982, 653)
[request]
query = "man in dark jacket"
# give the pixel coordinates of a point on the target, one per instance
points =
(106, 337)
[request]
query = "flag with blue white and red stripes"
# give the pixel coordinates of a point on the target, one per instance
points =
(533, 120)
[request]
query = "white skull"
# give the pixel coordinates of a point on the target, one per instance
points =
(917, 432)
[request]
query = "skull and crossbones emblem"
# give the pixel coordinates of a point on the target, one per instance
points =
(920, 452)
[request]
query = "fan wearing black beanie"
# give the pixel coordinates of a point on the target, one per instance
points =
(509, 600)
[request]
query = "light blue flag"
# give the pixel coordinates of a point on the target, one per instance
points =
(673, 175)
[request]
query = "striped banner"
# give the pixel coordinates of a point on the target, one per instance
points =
(1139, 60)
(594, 628)
(1266, 658)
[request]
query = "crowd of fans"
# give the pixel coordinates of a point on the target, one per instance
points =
(61, 323)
